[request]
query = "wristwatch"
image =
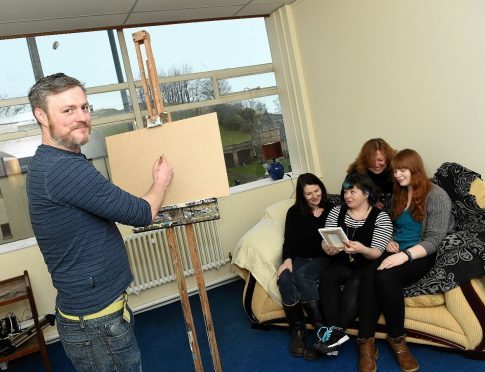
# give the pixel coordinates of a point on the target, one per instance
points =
(410, 256)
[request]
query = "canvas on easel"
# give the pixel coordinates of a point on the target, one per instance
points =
(193, 146)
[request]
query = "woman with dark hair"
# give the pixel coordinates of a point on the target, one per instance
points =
(303, 259)
(421, 212)
(374, 160)
(368, 231)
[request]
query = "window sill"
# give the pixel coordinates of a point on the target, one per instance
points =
(18, 245)
(260, 183)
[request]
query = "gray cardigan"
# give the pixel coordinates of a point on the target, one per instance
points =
(438, 220)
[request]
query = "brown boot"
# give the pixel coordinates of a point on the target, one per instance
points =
(368, 354)
(406, 360)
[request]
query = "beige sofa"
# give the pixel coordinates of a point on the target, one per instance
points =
(454, 319)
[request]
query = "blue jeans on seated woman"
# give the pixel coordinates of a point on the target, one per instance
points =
(103, 344)
(302, 283)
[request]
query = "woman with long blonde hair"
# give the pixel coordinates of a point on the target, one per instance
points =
(421, 214)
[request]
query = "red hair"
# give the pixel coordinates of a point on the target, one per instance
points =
(410, 159)
(367, 155)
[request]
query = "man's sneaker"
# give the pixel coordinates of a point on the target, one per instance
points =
(330, 338)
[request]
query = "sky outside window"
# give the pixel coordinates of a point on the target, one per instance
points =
(87, 56)
(205, 46)
(193, 47)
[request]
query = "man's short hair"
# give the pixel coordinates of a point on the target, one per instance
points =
(49, 85)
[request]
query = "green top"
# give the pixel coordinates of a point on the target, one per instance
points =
(406, 230)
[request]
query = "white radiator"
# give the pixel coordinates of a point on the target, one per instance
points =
(150, 260)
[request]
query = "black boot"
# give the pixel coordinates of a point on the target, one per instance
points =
(296, 321)
(315, 315)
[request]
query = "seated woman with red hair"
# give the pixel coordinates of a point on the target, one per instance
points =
(421, 213)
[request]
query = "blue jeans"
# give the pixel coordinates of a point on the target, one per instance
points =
(103, 344)
(302, 283)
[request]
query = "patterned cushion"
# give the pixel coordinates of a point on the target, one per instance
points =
(456, 180)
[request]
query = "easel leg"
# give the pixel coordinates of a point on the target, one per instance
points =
(184, 299)
(209, 326)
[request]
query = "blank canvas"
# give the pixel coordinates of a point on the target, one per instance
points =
(194, 148)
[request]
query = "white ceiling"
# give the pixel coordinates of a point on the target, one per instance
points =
(33, 17)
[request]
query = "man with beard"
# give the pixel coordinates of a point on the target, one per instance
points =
(73, 210)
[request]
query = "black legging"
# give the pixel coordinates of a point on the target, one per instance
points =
(382, 291)
(339, 306)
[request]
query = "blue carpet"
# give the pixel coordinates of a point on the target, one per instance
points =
(163, 340)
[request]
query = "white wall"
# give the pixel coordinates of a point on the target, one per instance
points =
(412, 72)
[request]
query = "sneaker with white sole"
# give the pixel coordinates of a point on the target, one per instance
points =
(330, 338)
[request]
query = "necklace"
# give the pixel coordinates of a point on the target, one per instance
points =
(351, 259)
(353, 232)
(359, 216)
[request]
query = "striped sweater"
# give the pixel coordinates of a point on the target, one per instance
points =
(73, 210)
(382, 231)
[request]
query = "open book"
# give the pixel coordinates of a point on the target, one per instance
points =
(333, 236)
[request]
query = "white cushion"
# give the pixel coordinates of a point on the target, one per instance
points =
(260, 249)
(277, 211)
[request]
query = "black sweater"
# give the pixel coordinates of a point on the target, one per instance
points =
(302, 238)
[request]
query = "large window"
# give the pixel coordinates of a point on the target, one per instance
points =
(234, 55)
(223, 67)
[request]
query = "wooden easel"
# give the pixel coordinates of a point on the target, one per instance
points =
(158, 116)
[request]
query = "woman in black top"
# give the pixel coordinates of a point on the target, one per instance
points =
(374, 161)
(303, 259)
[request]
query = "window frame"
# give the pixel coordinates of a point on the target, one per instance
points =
(138, 114)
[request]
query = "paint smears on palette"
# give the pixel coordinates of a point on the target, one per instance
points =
(184, 214)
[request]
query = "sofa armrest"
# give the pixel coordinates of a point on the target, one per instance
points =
(468, 308)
